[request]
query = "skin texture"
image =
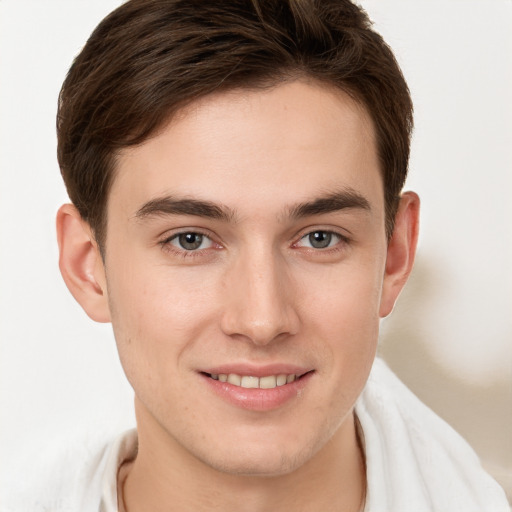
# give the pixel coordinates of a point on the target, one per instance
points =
(255, 292)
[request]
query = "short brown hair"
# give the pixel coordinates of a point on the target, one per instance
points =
(149, 58)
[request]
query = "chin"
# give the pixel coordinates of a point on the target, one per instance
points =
(263, 459)
(273, 465)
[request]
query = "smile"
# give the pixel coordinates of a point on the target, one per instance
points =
(258, 388)
(251, 382)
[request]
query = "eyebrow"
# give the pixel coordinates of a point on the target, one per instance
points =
(335, 201)
(172, 206)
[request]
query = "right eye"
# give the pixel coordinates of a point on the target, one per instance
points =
(190, 241)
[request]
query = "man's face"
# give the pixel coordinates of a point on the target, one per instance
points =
(246, 241)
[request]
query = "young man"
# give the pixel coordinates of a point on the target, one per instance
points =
(235, 170)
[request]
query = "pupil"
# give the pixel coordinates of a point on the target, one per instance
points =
(320, 239)
(190, 241)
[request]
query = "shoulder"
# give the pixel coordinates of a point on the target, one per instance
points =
(69, 473)
(415, 460)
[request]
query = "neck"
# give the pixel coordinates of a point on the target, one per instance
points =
(165, 476)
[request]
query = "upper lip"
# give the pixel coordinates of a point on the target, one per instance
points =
(258, 370)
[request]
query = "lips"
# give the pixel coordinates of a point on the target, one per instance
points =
(257, 388)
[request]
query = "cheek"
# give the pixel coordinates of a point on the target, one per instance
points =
(158, 314)
(345, 326)
(344, 299)
(156, 296)
(343, 316)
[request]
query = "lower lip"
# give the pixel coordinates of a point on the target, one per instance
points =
(256, 399)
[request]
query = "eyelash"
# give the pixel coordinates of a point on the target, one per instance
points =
(341, 240)
(184, 253)
(194, 253)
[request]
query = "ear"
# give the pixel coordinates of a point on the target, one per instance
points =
(81, 264)
(401, 251)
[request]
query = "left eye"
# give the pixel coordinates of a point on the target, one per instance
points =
(320, 239)
(190, 241)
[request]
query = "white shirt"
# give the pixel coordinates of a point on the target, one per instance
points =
(415, 462)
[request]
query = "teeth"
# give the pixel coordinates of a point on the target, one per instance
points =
(250, 382)
(268, 382)
(234, 379)
(281, 380)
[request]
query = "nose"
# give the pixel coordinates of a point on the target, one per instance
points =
(259, 300)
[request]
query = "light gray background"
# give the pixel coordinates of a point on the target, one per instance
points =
(450, 336)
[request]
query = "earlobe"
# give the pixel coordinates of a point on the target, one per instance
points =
(80, 263)
(401, 251)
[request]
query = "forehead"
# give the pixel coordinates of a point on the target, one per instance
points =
(242, 147)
